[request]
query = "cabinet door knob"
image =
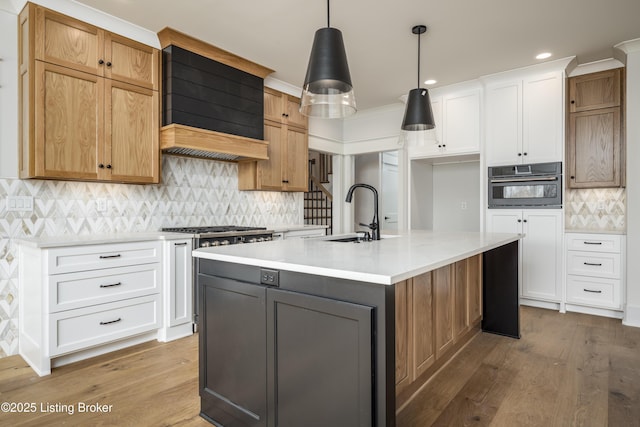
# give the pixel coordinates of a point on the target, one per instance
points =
(108, 64)
(524, 220)
(573, 102)
(519, 220)
(572, 177)
(100, 61)
(524, 154)
(519, 154)
(101, 166)
(108, 166)
(286, 181)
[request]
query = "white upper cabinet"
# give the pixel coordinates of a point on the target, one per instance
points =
(524, 120)
(457, 131)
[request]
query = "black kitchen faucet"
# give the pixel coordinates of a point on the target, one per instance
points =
(375, 225)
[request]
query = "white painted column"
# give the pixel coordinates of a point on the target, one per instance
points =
(8, 91)
(632, 308)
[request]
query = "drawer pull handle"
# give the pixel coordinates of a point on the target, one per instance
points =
(111, 321)
(593, 264)
(592, 243)
(592, 291)
(110, 256)
(111, 285)
(181, 244)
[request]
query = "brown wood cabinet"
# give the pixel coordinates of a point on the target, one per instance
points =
(594, 91)
(286, 131)
(595, 137)
(89, 102)
(436, 314)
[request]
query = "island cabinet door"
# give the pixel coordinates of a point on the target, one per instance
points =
(443, 294)
(319, 361)
(233, 378)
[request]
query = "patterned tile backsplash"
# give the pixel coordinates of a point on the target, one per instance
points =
(596, 209)
(193, 192)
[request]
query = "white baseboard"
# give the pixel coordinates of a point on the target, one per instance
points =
(595, 311)
(176, 332)
(631, 316)
(540, 304)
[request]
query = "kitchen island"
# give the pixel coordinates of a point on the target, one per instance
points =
(319, 332)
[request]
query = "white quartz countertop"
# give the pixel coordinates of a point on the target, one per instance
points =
(281, 228)
(98, 239)
(385, 262)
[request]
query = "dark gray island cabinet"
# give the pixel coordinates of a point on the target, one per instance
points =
(283, 347)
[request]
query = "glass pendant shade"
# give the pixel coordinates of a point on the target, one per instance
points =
(418, 114)
(327, 91)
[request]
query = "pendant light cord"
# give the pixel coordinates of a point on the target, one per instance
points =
(419, 60)
(328, 22)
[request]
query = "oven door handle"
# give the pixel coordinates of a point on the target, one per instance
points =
(529, 179)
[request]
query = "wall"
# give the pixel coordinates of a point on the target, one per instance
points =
(453, 186)
(632, 310)
(193, 192)
(421, 195)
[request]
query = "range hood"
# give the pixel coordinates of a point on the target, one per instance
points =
(212, 101)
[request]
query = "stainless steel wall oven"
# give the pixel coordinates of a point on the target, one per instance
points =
(537, 185)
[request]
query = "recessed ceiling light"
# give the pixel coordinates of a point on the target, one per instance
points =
(430, 82)
(543, 55)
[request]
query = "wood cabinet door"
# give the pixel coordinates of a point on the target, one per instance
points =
(423, 324)
(474, 277)
(269, 175)
(461, 302)
(132, 152)
(504, 124)
(68, 123)
(319, 361)
(403, 334)
(294, 116)
(443, 294)
(131, 62)
(65, 41)
(595, 90)
(295, 168)
(594, 149)
(273, 109)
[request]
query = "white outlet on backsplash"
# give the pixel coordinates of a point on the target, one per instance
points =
(19, 204)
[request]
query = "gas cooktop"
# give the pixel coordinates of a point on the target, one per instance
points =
(212, 229)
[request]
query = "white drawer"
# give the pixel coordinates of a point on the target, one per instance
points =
(93, 257)
(592, 291)
(597, 264)
(86, 327)
(594, 242)
(75, 290)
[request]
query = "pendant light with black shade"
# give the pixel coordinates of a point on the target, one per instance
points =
(418, 114)
(327, 91)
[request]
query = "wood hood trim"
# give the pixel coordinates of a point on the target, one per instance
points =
(194, 142)
(169, 36)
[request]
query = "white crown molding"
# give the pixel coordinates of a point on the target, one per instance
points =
(596, 66)
(282, 86)
(550, 66)
(629, 46)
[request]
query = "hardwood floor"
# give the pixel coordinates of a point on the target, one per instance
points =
(567, 370)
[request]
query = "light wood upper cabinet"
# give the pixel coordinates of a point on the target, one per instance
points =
(595, 138)
(595, 90)
(89, 108)
(286, 131)
(283, 108)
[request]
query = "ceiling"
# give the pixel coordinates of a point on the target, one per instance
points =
(465, 38)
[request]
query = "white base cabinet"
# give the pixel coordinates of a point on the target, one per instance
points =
(85, 300)
(178, 290)
(595, 279)
(540, 250)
